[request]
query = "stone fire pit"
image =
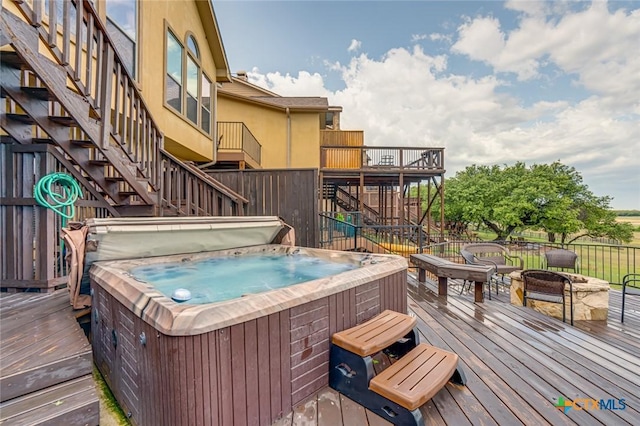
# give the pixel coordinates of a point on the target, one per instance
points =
(590, 298)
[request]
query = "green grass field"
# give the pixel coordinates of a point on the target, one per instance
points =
(542, 237)
(635, 221)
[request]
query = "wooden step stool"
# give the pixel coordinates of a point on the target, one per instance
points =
(398, 391)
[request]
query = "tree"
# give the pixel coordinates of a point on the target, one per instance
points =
(551, 197)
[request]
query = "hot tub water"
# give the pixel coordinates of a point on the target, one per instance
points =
(223, 278)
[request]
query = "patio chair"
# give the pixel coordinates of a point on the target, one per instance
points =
(561, 258)
(631, 287)
(386, 160)
(496, 255)
(547, 286)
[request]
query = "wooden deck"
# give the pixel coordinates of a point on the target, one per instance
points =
(518, 364)
(46, 362)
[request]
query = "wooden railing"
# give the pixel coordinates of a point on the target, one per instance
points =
(235, 136)
(388, 158)
(186, 190)
(79, 41)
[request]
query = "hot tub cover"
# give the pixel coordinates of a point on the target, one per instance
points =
(130, 238)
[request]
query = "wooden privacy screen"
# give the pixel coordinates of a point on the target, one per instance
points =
(291, 194)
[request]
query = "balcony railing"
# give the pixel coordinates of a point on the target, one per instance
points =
(383, 158)
(236, 137)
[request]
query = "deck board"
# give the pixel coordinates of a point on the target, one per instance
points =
(518, 362)
(46, 362)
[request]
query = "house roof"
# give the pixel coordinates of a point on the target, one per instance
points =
(296, 102)
(240, 88)
(214, 40)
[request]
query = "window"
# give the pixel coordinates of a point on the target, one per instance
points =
(173, 91)
(122, 25)
(193, 80)
(328, 119)
(205, 95)
(188, 89)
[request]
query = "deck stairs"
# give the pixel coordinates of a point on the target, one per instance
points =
(85, 103)
(46, 364)
(349, 203)
(372, 217)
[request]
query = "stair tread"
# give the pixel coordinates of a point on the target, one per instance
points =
(63, 120)
(11, 59)
(42, 140)
(82, 143)
(23, 118)
(416, 377)
(99, 162)
(376, 334)
(77, 394)
(41, 93)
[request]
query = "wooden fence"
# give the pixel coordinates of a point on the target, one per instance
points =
(30, 250)
(291, 194)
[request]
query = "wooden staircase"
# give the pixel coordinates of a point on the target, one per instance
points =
(349, 203)
(84, 102)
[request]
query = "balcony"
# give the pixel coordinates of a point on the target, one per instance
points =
(381, 159)
(237, 146)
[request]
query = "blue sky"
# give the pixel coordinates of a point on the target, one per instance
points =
(492, 82)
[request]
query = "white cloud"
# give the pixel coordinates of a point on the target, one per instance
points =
(482, 39)
(418, 37)
(411, 98)
(305, 84)
(599, 47)
(354, 46)
(440, 37)
(529, 7)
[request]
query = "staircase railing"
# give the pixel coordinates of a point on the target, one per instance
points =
(79, 42)
(338, 234)
(352, 203)
(186, 191)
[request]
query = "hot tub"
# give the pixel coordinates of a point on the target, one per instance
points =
(247, 360)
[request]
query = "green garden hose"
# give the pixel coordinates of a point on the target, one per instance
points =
(61, 203)
(45, 193)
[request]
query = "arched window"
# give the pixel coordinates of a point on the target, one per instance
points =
(193, 46)
(188, 89)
